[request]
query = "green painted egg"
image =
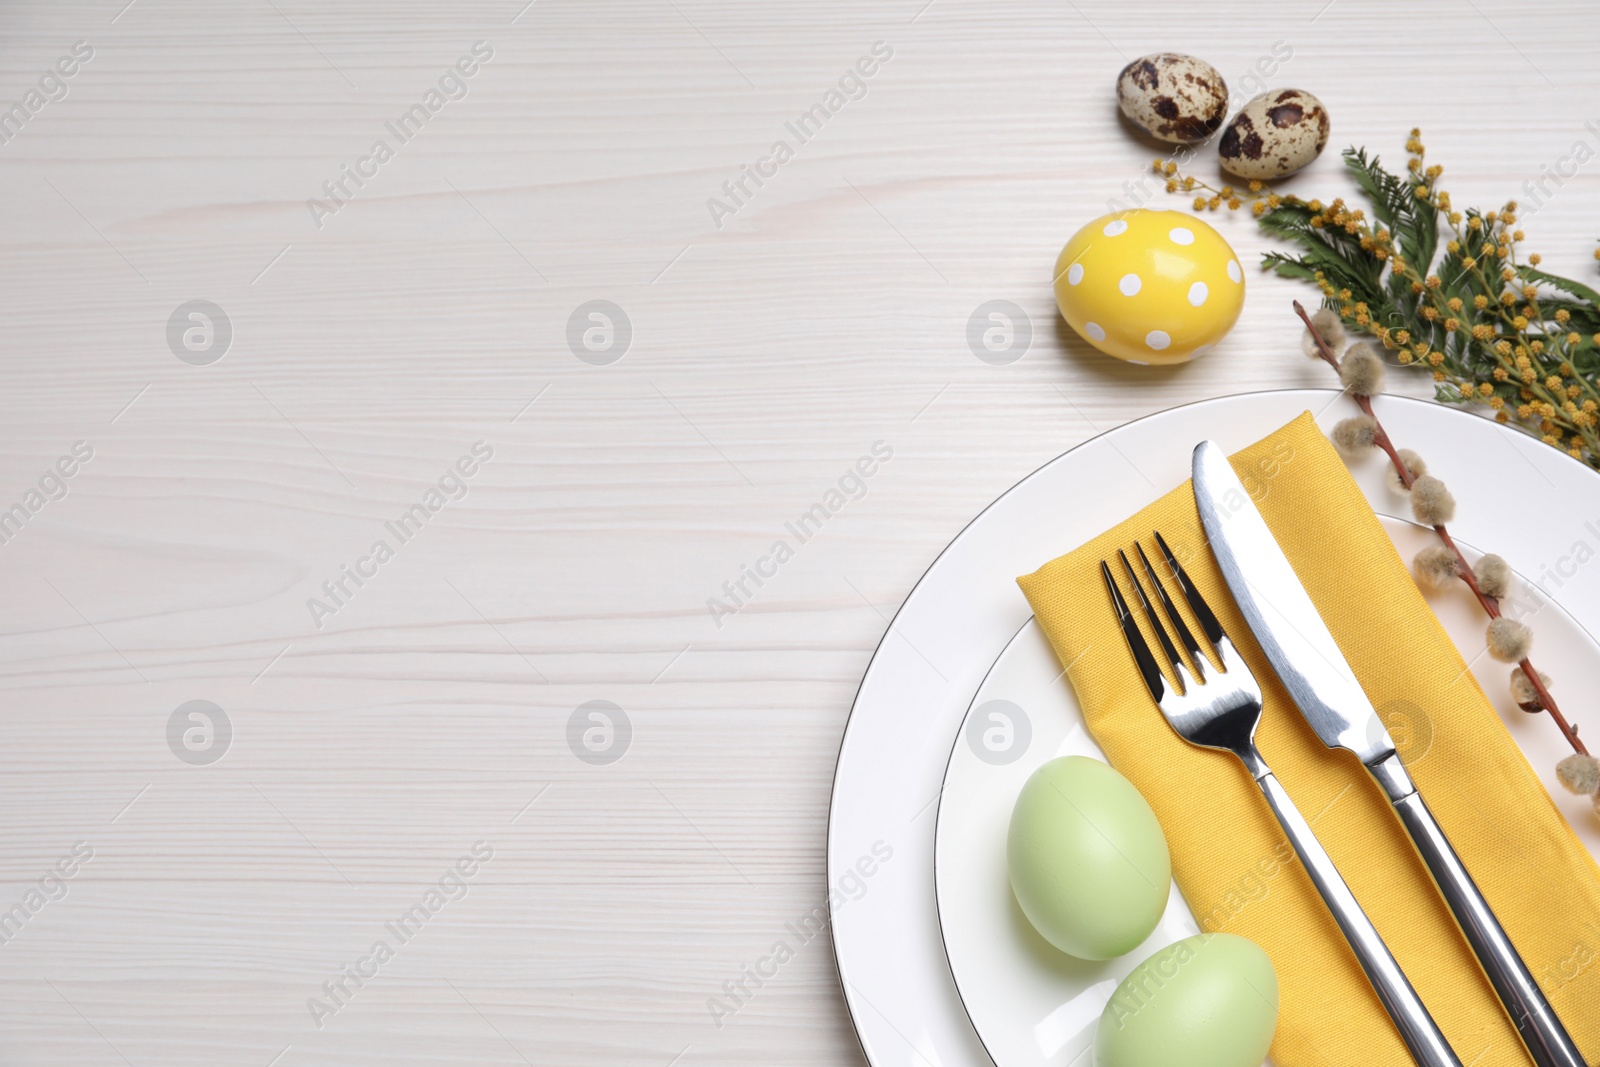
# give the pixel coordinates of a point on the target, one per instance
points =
(1087, 859)
(1207, 1001)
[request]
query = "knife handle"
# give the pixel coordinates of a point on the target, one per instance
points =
(1417, 1028)
(1537, 1024)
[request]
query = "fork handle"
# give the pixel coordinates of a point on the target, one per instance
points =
(1417, 1028)
(1537, 1023)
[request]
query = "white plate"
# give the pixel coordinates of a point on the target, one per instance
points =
(1516, 496)
(1032, 1005)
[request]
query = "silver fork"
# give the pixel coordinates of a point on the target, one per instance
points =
(1222, 713)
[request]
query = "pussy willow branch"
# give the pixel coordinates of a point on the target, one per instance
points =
(1491, 605)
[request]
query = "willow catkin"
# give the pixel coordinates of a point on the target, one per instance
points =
(1580, 773)
(1431, 502)
(1523, 692)
(1509, 640)
(1415, 466)
(1355, 436)
(1328, 325)
(1361, 370)
(1494, 576)
(1435, 567)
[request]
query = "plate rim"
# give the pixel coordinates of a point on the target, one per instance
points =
(938, 819)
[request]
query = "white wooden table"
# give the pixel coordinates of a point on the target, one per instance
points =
(242, 860)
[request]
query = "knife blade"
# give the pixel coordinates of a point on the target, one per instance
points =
(1307, 660)
(1280, 613)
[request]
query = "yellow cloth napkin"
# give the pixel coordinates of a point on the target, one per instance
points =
(1229, 856)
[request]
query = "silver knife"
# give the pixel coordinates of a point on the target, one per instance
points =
(1308, 662)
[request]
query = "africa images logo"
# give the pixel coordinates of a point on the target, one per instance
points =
(451, 85)
(852, 85)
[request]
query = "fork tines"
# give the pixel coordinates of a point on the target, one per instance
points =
(1149, 666)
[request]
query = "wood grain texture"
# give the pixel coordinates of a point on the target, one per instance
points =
(372, 351)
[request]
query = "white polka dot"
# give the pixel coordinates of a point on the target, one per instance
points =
(1198, 293)
(1181, 235)
(1075, 274)
(1157, 339)
(1137, 362)
(1095, 332)
(1199, 349)
(1233, 270)
(1130, 284)
(1115, 227)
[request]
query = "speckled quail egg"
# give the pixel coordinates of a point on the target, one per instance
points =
(1274, 135)
(1173, 97)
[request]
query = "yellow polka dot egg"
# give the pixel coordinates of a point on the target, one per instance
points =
(1150, 287)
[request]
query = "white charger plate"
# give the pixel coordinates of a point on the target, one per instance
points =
(1516, 496)
(1032, 1005)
